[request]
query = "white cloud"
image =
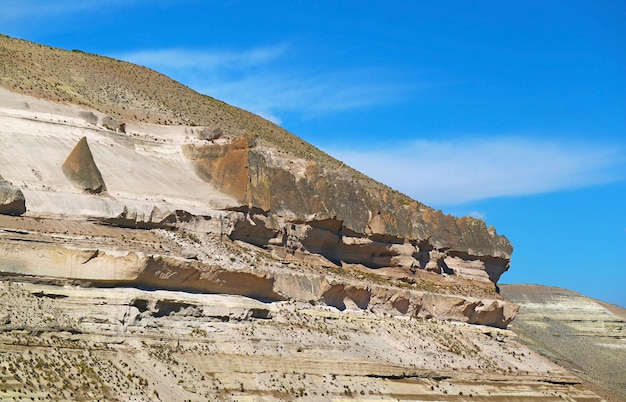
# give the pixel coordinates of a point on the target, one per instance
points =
(270, 94)
(477, 215)
(13, 11)
(204, 60)
(264, 81)
(463, 170)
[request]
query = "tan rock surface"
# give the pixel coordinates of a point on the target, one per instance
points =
(81, 169)
(12, 200)
(584, 335)
(228, 259)
(152, 181)
(121, 343)
(277, 172)
(38, 249)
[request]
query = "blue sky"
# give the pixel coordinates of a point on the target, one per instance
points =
(514, 112)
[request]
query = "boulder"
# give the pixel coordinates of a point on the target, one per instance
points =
(80, 168)
(209, 135)
(113, 124)
(12, 200)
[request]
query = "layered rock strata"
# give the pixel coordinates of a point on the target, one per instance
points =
(246, 162)
(233, 189)
(225, 258)
(68, 343)
(585, 335)
(306, 207)
(237, 188)
(240, 271)
(242, 180)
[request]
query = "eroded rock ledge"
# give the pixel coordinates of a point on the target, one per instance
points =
(229, 189)
(48, 262)
(335, 213)
(303, 190)
(327, 241)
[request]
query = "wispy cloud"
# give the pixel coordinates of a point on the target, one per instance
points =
(476, 214)
(15, 11)
(453, 172)
(265, 81)
(270, 94)
(204, 60)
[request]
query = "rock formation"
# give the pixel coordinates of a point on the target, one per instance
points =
(81, 170)
(12, 200)
(584, 335)
(112, 124)
(306, 207)
(227, 258)
(131, 344)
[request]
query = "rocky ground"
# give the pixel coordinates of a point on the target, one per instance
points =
(586, 336)
(158, 244)
(78, 339)
(75, 343)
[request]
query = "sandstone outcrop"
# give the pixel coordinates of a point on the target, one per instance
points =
(225, 258)
(81, 170)
(12, 200)
(50, 259)
(238, 188)
(259, 165)
(233, 184)
(305, 207)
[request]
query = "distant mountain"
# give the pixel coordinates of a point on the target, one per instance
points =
(586, 336)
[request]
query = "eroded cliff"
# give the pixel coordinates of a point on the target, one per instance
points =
(239, 179)
(304, 206)
(164, 245)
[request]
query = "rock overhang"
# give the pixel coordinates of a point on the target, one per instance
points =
(243, 180)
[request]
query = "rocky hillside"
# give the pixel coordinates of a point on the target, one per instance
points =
(157, 244)
(584, 335)
(260, 166)
(78, 343)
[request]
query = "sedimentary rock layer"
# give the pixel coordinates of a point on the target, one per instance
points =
(25, 256)
(158, 177)
(582, 334)
(130, 344)
(245, 162)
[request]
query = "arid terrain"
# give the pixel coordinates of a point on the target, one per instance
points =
(585, 336)
(158, 244)
(77, 343)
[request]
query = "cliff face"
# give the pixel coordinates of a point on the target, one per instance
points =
(304, 206)
(287, 193)
(239, 178)
(148, 232)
